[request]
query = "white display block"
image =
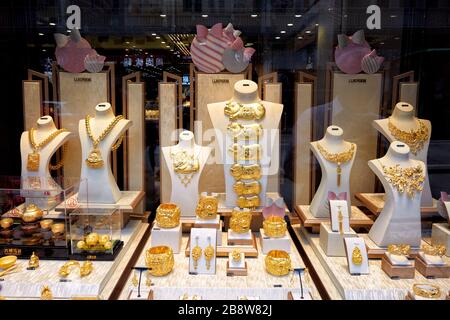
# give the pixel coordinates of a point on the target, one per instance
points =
(268, 243)
(350, 245)
(342, 206)
(432, 260)
(203, 237)
(331, 242)
(440, 234)
(234, 238)
(167, 237)
(397, 260)
(211, 223)
(236, 265)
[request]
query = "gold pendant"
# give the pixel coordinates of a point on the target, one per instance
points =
(339, 172)
(95, 160)
(33, 161)
(357, 257)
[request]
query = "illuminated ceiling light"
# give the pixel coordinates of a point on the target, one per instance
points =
(317, 24)
(126, 55)
(298, 15)
(40, 33)
(253, 15)
(153, 34)
(204, 16)
(282, 31)
(300, 38)
(167, 46)
(397, 38)
(69, 31)
(290, 24)
(163, 42)
(158, 38)
(52, 24)
(43, 50)
(126, 49)
(308, 31)
(127, 42)
(393, 16)
(381, 43)
(146, 53)
(278, 38)
(171, 50)
(163, 15)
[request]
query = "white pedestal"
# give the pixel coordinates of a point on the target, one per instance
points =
(211, 223)
(234, 238)
(167, 237)
(440, 234)
(268, 243)
(236, 265)
(332, 242)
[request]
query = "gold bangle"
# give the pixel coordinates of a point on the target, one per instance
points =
(159, 260)
(278, 263)
(236, 255)
(168, 215)
(246, 172)
(207, 207)
(247, 188)
(6, 223)
(275, 227)
(399, 250)
(428, 291)
(58, 228)
(240, 221)
(66, 269)
(435, 250)
(248, 202)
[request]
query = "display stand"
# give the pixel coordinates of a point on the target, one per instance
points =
(239, 239)
(350, 245)
(440, 235)
(357, 219)
(332, 242)
(203, 238)
(268, 243)
(397, 271)
(167, 237)
(236, 268)
(432, 271)
(211, 223)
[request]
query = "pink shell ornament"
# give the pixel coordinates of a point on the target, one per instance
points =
(94, 62)
(274, 208)
(371, 62)
(350, 52)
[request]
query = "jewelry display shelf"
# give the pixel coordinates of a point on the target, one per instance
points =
(374, 202)
(258, 283)
(104, 282)
(336, 282)
(223, 210)
(376, 252)
(357, 220)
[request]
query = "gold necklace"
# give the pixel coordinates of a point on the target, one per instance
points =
(237, 111)
(34, 158)
(95, 159)
(415, 139)
(185, 165)
(244, 131)
(59, 164)
(338, 158)
(407, 180)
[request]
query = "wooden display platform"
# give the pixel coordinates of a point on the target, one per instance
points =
(376, 252)
(395, 271)
(374, 202)
(358, 219)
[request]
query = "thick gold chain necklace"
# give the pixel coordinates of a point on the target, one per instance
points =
(407, 180)
(338, 158)
(34, 158)
(95, 159)
(185, 165)
(415, 139)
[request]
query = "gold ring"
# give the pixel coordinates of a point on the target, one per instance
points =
(275, 227)
(168, 215)
(399, 250)
(5, 223)
(429, 291)
(207, 207)
(435, 250)
(240, 221)
(236, 255)
(278, 263)
(159, 260)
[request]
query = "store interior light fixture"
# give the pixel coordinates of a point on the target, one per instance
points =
(298, 16)
(204, 16)
(278, 38)
(283, 31)
(254, 15)
(290, 24)
(52, 24)
(163, 15)
(40, 33)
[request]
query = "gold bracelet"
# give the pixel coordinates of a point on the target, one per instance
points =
(243, 172)
(275, 227)
(65, 270)
(247, 188)
(248, 202)
(435, 250)
(159, 260)
(207, 207)
(278, 263)
(240, 221)
(168, 215)
(6, 223)
(429, 291)
(399, 250)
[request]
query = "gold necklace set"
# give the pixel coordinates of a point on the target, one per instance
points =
(95, 159)
(337, 158)
(34, 158)
(415, 139)
(407, 180)
(185, 165)
(247, 175)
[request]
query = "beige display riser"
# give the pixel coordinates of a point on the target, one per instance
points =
(334, 278)
(220, 286)
(103, 283)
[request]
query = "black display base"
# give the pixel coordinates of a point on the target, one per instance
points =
(43, 252)
(98, 256)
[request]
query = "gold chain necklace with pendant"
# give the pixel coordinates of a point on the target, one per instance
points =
(407, 180)
(338, 158)
(185, 165)
(95, 159)
(34, 158)
(415, 139)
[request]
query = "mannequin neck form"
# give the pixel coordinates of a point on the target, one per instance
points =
(334, 137)
(186, 140)
(404, 113)
(244, 95)
(398, 152)
(45, 124)
(103, 111)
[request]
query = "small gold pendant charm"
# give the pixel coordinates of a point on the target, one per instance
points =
(357, 257)
(33, 161)
(95, 160)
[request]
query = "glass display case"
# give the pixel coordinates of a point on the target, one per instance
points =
(95, 234)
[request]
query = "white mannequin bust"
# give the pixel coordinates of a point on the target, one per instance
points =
(246, 93)
(333, 142)
(44, 127)
(186, 196)
(101, 185)
(400, 219)
(403, 117)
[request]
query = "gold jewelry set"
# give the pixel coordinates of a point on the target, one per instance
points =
(246, 148)
(197, 252)
(185, 165)
(399, 249)
(337, 158)
(241, 220)
(159, 260)
(85, 268)
(278, 262)
(168, 215)
(407, 180)
(275, 227)
(95, 159)
(428, 291)
(34, 158)
(207, 207)
(415, 139)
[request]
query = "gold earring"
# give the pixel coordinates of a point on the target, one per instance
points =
(340, 219)
(196, 254)
(135, 280)
(357, 257)
(209, 254)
